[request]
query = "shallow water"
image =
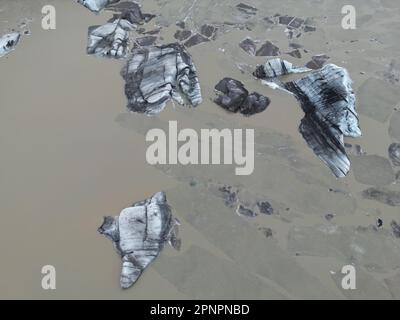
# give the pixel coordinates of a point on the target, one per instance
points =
(72, 154)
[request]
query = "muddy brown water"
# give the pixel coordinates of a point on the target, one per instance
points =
(71, 154)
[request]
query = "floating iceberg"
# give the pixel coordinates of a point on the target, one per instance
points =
(233, 96)
(156, 74)
(277, 67)
(328, 101)
(139, 234)
(110, 40)
(327, 98)
(8, 42)
(394, 153)
(96, 5)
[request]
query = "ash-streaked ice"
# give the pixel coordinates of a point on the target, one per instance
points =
(8, 42)
(328, 101)
(154, 75)
(139, 234)
(96, 5)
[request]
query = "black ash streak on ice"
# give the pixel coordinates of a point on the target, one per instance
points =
(139, 234)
